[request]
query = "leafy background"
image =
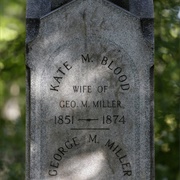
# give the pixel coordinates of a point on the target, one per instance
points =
(12, 89)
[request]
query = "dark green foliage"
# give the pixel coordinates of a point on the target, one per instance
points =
(12, 89)
(167, 89)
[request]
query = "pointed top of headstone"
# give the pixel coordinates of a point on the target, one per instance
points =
(39, 8)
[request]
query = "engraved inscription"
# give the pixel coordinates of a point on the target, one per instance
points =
(119, 154)
(105, 119)
(61, 152)
(60, 73)
(115, 149)
(110, 64)
(90, 107)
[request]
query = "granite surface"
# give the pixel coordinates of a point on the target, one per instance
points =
(89, 93)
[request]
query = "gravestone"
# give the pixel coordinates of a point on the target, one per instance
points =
(89, 90)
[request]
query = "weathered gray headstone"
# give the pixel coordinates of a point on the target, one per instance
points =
(89, 90)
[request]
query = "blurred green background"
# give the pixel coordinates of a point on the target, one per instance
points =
(12, 89)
